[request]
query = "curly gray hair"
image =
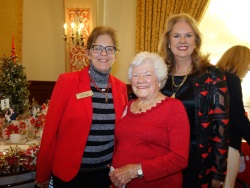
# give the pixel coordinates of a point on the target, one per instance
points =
(156, 60)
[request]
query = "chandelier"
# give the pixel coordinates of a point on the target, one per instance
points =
(75, 34)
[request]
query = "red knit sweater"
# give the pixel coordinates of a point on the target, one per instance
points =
(159, 140)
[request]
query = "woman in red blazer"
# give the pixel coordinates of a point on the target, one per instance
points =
(78, 137)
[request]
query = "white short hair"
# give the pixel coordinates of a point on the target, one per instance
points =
(155, 60)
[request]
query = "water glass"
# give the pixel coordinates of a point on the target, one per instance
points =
(30, 135)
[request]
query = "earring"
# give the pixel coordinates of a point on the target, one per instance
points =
(168, 45)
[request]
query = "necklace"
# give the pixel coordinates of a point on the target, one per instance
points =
(182, 82)
(102, 90)
(149, 104)
(178, 87)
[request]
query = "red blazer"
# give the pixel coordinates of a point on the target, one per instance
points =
(68, 124)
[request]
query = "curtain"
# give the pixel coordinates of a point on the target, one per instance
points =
(151, 16)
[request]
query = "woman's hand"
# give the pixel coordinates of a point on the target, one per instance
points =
(121, 176)
(217, 183)
(42, 184)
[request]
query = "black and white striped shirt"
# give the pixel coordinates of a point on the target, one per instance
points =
(100, 143)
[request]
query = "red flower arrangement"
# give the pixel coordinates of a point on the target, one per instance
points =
(38, 116)
(38, 121)
(22, 125)
(10, 127)
(35, 119)
(29, 157)
(14, 159)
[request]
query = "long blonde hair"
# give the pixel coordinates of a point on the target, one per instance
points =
(235, 60)
(199, 60)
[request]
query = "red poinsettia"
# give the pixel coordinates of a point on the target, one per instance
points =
(33, 121)
(10, 129)
(40, 121)
(12, 160)
(22, 124)
(29, 161)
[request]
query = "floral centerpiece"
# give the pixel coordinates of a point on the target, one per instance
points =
(29, 157)
(9, 127)
(10, 160)
(35, 119)
(14, 159)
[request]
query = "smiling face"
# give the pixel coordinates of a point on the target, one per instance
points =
(144, 81)
(182, 40)
(102, 61)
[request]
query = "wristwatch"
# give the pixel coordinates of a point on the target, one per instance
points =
(140, 173)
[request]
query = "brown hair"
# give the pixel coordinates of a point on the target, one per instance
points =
(235, 60)
(198, 59)
(102, 30)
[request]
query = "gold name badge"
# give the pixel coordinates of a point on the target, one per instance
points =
(84, 94)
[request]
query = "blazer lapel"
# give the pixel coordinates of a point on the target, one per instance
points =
(116, 92)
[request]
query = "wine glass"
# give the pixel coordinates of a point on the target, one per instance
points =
(30, 135)
(23, 134)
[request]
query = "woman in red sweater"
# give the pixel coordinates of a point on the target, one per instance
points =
(152, 138)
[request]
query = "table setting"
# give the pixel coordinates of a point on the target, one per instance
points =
(18, 155)
(19, 147)
(20, 140)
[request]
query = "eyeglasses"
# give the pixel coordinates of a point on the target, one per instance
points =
(99, 48)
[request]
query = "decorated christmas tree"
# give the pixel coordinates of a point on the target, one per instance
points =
(13, 83)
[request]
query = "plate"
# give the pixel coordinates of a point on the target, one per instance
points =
(19, 143)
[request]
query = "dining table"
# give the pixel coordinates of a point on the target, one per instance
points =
(18, 163)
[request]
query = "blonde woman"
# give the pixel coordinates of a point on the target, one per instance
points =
(235, 62)
(202, 89)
